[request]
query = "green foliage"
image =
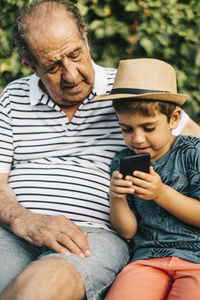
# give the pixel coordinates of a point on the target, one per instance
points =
(121, 29)
(10, 63)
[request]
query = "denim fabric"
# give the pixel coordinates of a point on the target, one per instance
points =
(109, 254)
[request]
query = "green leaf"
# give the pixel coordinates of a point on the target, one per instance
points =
(197, 59)
(132, 7)
(148, 45)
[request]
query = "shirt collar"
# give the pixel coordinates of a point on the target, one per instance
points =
(100, 83)
(36, 93)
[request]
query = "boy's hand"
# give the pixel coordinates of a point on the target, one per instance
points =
(147, 186)
(119, 187)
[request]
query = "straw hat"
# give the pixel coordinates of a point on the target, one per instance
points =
(145, 78)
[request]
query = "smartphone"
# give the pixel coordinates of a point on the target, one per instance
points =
(139, 162)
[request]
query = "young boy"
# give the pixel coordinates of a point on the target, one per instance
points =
(160, 209)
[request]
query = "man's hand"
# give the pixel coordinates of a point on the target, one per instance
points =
(55, 232)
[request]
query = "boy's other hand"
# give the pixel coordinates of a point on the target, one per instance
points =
(120, 187)
(146, 185)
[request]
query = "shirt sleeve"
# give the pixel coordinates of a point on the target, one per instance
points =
(115, 163)
(6, 135)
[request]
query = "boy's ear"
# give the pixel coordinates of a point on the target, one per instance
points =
(174, 120)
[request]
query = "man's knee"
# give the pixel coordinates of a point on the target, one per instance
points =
(15, 255)
(47, 279)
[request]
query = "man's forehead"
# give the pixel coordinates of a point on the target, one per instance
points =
(42, 20)
(57, 55)
(54, 37)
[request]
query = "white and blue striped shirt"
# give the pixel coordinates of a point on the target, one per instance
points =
(57, 167)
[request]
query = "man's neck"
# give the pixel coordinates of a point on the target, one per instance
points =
(70, 111)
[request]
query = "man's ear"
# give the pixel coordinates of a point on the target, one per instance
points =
(30, 65)
(86, 40)
(174, 120)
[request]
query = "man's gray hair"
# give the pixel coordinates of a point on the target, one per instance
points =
(21, 28)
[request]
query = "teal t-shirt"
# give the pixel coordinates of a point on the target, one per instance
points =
(160, 234)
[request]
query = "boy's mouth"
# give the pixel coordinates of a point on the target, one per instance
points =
(141, 150)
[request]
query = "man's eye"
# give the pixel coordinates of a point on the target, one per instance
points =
(52, 69)
(75, 54)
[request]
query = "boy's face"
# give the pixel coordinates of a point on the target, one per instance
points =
(150, 134)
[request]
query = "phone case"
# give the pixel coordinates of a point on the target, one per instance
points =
(140, 162)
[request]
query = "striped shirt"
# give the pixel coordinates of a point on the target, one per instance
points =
(59, 167)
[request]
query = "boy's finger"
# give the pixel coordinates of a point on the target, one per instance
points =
(142, 175)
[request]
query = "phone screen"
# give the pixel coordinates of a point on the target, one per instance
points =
(129, 164)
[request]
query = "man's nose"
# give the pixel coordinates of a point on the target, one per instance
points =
(70, 72)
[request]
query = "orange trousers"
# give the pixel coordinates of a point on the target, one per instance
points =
(168, 278)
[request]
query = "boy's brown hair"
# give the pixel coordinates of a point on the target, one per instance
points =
(144, 107)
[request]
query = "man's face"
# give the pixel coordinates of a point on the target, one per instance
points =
(63, 60)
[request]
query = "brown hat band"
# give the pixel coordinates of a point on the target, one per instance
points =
(135, 91)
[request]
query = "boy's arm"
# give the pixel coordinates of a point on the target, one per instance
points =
(183, 207)
(122, 217)
(150, 187)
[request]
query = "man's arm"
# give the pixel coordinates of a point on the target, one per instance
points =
(187, 126)
(191, 128)
(55, 232)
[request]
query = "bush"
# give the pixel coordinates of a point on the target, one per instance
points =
(121, 29)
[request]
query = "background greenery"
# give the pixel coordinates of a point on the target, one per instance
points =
(120, 29)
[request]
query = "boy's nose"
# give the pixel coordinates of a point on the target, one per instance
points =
(138, 138)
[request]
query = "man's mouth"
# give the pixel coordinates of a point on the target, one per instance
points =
(71, 87)
(72, 90)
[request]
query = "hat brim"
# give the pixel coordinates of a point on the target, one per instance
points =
(168, 97)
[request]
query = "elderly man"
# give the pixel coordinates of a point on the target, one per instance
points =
(56, 241)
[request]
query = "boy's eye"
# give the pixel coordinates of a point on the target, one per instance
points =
(149, 129)
(127, 130)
